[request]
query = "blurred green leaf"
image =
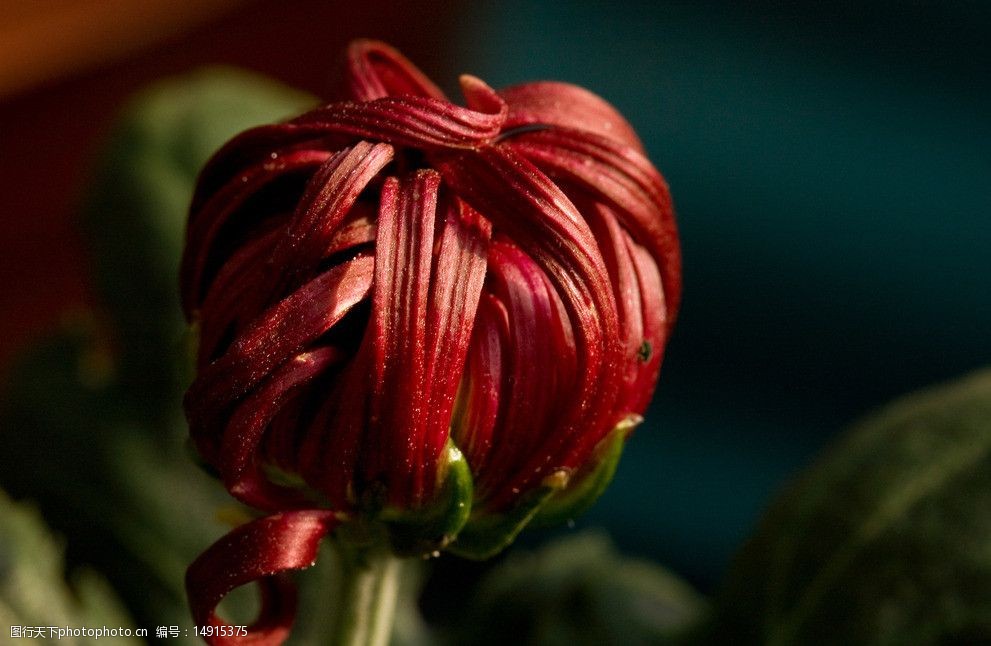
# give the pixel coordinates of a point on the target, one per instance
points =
(33, 590)
(135, 211)
(579, 591)
(131, 503)
(885, 540)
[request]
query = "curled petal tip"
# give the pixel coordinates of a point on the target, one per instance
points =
(375, 70)
(567, 106)
(479, 96)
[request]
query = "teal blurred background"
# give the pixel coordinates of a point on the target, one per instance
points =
(831, 169)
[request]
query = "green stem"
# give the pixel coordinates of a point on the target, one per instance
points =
(368, 601)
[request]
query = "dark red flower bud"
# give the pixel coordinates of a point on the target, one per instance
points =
(391, 278)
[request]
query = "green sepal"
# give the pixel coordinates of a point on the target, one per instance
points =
(560, 497)
(486, 535)
(589, 483)
(429, 529)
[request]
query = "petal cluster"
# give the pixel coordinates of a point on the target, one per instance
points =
(391, 275)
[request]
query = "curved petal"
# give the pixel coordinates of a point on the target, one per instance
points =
(480, 395)
(259, 551)
(525, 205)
(240, 465)
(456, 284)
(539, 362)
(418, 122)
(622, 177)
(331, 447)
(398, 330)
(655, 328)
(357, 230)
(330, 195)
(209, 218)
(565, 105)
(258, 145)
(282, 332)
(622, 273)
(227, 305)
(374, 70)
(422, 315)
(233, 301)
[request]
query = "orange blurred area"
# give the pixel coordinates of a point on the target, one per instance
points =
(66, 68)
(42, 41)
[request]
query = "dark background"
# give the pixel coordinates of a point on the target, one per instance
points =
(830, 164)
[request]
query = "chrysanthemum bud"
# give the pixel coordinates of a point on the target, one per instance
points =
(441, 319)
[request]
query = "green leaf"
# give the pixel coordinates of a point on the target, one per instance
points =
(135, 211)
(579, 591)
(131, 502)
(33, 590)
(885, 540)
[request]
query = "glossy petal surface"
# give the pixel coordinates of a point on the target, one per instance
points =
(392, 273)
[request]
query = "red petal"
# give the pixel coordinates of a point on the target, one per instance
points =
(655, 328)
(330, 195)
(539, 362)
(207, 219)
(422, 316)
(456, 284)
(398, 327)
(260, 551)
(240, 463)
(418, 122)
(622, 177)
(281, 333)
(375, 70)
(232, 301)
(617, 255)
(412, 112)
(522, 202)
(566, 106)
(330, 448)
(477, 408)
(358, 229)
(227, 304)
(256, 146)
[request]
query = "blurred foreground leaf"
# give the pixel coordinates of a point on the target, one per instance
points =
(130, 503)
(886, 540)
(135, 211)
(33, 591)
(579, 591)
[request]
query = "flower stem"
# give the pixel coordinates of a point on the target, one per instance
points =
(368, 601)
